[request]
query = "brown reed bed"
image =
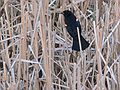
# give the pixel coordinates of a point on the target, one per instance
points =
(35, 48)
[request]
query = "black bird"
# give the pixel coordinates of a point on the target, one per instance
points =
(72, 24)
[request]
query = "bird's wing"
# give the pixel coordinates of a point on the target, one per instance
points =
(71, 31)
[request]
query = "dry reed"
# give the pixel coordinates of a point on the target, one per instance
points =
(35, 48)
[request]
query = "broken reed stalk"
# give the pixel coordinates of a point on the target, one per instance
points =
(31, 41)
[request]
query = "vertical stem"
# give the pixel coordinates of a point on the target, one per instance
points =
(74, 76)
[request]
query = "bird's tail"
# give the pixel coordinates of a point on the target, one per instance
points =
(84, 44)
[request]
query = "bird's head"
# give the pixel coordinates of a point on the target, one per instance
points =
(69, 17)
(67, 13)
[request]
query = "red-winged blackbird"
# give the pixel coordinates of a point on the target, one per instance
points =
(72, 24)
